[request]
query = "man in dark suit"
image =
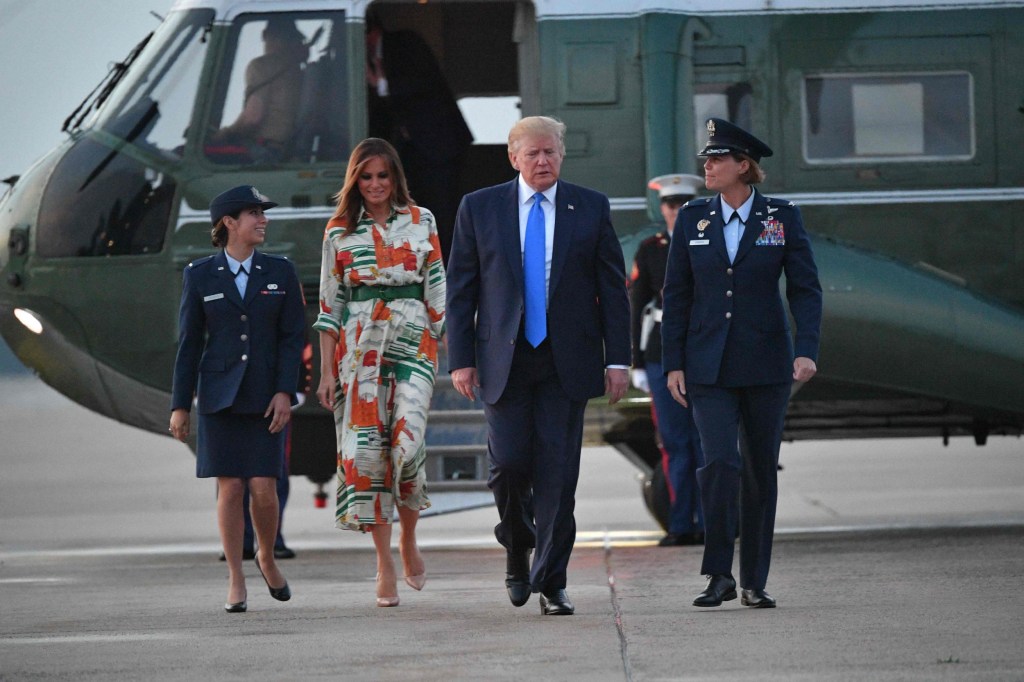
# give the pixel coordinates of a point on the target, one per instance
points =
(538, 320)
(726, 345)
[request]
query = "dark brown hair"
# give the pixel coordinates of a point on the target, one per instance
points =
(219, 233)
(350, 202)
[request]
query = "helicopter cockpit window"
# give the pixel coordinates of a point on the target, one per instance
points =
(888, 117)
(281, 96)
(152, 106)
(729, 101)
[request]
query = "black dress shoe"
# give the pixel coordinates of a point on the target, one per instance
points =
(247, 555)
(237, 607)
(757, 599)
(517, 576)
(283, 553)
(672, 540)
(681, 539)
(279, 593)
(720, 588)
(556, 603)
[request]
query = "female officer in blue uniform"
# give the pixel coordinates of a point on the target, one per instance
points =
(727, 346)
(240, 340)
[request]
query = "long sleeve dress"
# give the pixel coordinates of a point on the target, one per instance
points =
(385, 362)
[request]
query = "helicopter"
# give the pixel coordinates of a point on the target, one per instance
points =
(894, 125)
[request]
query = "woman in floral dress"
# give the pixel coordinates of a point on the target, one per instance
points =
(382, 292)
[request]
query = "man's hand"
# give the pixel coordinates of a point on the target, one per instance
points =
(466, 381)
(639, 378)
(281, 408)
(616, 382)
(677, 386)
(804, 369)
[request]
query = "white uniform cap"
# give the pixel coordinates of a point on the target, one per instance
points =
(676, 184)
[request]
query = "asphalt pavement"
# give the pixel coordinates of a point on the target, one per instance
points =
(894, 560)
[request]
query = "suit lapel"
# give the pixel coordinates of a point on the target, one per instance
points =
(508, 227)
(752, 229)
(257, 278)
(565, 223)
(226, 280)
(716, 229)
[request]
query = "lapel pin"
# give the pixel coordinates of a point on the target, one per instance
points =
(272, 287)
(221, 268)
(571, 207)
(712, 213)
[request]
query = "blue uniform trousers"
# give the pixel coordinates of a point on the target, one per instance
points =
(680, 440)
(739, 490)
(535, 432)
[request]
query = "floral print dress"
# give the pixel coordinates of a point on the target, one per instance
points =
(385, 362)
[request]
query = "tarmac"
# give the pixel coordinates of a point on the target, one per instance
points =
(894, 560)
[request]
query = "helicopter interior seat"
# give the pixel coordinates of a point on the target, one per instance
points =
(314, 138)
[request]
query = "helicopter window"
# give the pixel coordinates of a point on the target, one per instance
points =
(891, 117)
(152, 106)
(729, 101)
(281, 95)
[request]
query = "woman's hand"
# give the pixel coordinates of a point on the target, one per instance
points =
(325, 393)
(179, 424)
(677, 386)
(281, 408)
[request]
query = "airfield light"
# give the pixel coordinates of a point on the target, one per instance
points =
(29, 319)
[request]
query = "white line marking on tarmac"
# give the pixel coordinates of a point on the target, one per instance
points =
(88, 639)
(619, 538)
(21, 581)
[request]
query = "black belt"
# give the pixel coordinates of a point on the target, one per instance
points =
(384, 293)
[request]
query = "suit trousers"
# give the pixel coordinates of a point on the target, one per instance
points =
(739, 489)
(535, 432)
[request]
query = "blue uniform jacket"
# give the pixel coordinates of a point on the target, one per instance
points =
(240, 353)
(588, 309)
(725, 323)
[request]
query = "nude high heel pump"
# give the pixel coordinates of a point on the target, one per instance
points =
(416, 582)
(385, 602)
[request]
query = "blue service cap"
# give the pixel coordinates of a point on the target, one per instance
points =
(727, 138)
(236, 199)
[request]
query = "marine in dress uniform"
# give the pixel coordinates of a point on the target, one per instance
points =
(727, 346)
(680, 442)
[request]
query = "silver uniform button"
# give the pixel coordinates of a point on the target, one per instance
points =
(244, 318)
(245, 337)
(728, 316)
(244, 357)
(728, 271)
(729, 293)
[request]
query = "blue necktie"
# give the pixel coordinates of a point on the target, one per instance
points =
(533, 274)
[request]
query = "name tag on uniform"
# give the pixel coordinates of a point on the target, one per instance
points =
(212, 297)
(699, 242)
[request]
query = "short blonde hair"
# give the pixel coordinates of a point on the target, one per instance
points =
(754, 172)
(536, 126)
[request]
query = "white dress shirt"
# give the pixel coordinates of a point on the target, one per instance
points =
(733, 227)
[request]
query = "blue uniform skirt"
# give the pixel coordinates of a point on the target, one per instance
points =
(238, 446)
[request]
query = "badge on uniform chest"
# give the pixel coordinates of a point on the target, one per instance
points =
(772, 234)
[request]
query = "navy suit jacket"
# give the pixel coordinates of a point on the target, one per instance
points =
(240, 353)
(588, 309)
(725, 323)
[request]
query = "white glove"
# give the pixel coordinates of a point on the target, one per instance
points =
(639, 379)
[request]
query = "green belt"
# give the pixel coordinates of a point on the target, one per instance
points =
(368, 293)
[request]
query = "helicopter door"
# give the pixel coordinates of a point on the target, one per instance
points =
(443, 87)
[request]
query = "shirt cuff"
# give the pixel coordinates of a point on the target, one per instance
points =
(617, 367)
